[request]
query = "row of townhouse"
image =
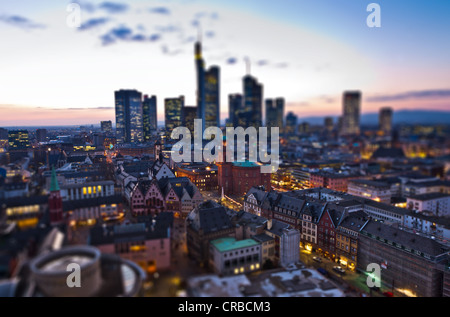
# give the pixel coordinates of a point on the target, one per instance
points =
(176, 194)
(343, 230)
(231, 242)
(150, 187)
(330, 221)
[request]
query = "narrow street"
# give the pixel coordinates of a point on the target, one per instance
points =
(353, 282)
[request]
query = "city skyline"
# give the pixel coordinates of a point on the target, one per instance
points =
(62, 76)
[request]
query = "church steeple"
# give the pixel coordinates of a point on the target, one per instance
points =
(55, 205)
(54, 186)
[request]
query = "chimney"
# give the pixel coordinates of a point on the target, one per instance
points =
(269, 224)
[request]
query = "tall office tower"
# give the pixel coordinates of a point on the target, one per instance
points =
(291, 123)
(41, 135)
(3, 134)
(235, 104)
(189, 115)
(351, 113)
(173, 109)
(385, 120)
(253, 97)
(200, 68)
(275, 113)
(149, 116)
(328, 124)
(129, 127)
(106, 126)
(18, 140)
(212, 97)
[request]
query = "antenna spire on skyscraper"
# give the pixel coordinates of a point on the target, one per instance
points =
(199, 35)
(248, 65)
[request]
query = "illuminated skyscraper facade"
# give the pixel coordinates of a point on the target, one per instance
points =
(275, 113)
(129, 123)
(251, 115)
(173, 108)
(149, 115)
(385, 120)
(351, 113)
(212, 97)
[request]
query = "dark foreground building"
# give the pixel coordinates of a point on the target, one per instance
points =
(410, 263)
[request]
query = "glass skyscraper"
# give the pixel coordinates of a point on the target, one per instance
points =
(200, 68)
(212, 97)
(385, 120)
(129, 125)
(173, 108)
(106, 126)
(235, 102)
(291, 123)
(251, 115)
(275, 113)
(18, 140)
(208, 91)
(351, 113)
(149, 115)
(189, 115)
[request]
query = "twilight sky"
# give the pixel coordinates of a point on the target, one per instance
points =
(308, 52)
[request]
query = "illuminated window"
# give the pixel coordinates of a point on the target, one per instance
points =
(99, 188)
(89, 190)
(84, 190)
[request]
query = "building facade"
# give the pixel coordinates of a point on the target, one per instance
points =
(149, 117)
(410, 263)
(129, 125)
(230, 256)
(351, 113)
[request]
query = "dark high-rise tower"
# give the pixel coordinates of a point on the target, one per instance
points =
(253, 97)
(18, 139)
(235, 103)
(351, 114)
(149, 116)
(200, 68)
(41, 135)
(291, 123)
(275, 113)
(208, 91)
(212, 97)
(129, 127)
(106, 126)
(173, 108)
(385, 120)
(189, 115)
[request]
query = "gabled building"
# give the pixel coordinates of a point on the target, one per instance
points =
(347, 233)
(288, 209)
(326, 231)
(177, 195)
(311, 215)
(254, 199)
(207, 222)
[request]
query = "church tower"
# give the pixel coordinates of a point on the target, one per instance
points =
(225, 172)
(55, 207)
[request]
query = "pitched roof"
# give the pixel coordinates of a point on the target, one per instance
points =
(383, 152)
(404, 238)
(209, 217)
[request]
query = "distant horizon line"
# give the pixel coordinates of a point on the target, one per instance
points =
(223, 121)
